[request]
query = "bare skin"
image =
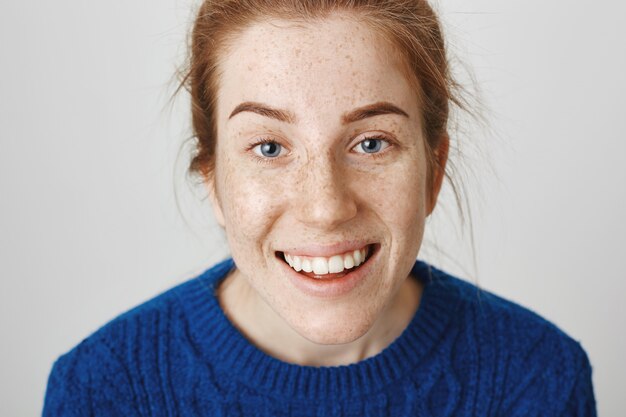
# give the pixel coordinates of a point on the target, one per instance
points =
(321, 187)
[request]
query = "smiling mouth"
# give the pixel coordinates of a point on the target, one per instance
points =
(325, 268)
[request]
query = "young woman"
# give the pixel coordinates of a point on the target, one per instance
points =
(321, 137)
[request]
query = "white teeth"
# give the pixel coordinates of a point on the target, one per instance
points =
(357, 257)
(322, 266)
(335, 264)
(306, 265)
(348, 261)
(297, 263)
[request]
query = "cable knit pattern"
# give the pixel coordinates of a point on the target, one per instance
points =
(466, 352)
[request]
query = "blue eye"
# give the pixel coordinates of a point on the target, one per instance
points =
(268, 149)
(371, 145)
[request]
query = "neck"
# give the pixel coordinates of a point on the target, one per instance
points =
(269, 332)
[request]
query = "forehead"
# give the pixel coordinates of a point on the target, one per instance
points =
(314, 68)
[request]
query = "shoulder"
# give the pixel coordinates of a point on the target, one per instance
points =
(519, 325)
(531, 357)
(151, 319)
(104, 365)
(85, 380)
(127, 330)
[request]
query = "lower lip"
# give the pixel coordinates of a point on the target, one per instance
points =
(329, 288)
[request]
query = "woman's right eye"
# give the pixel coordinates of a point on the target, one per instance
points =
(268, 149)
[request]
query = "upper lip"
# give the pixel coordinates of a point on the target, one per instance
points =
(337, 248)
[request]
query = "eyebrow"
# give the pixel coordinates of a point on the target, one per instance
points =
(370, 110)
(264, 110)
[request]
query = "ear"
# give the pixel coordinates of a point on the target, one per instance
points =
(439, 169)
(210, 183)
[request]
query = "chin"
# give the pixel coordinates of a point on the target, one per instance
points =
(334, 329)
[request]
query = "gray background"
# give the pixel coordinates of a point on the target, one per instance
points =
(92, 174)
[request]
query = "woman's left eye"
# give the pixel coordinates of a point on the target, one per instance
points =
(371, 145)
(268, 149)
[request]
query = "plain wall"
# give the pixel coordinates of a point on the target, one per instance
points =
(96, 214)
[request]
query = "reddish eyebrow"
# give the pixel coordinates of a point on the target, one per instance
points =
(264, 110)
(382, 107)
(286, 116)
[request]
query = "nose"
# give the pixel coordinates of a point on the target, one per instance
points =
(324, 196)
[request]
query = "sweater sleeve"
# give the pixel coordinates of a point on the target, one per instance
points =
(90, 380)
(67, 393)
(581, 402)
(553, 378)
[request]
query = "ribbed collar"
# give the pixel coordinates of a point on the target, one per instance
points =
(229, 351)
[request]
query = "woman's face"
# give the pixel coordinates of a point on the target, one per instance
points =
(320, 154)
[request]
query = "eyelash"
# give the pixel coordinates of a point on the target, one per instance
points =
(375, 137)
(266, 161)
(260, 159)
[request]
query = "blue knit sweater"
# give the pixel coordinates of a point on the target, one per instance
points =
(466, 352)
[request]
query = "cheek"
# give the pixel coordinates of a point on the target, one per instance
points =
(400, 205)
(399, 195)
(250, 204)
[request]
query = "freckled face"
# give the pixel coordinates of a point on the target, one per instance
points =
(319, 180)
